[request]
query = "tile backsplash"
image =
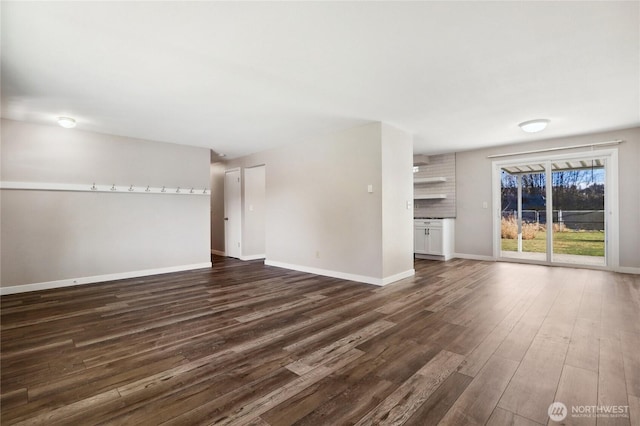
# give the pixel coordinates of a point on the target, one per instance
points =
(439, 166)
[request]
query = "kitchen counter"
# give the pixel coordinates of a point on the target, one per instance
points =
(431, 218)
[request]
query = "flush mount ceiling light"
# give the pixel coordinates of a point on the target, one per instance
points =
(67, 122)
(533, 126)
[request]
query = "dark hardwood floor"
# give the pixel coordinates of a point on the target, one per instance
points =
(462, 342)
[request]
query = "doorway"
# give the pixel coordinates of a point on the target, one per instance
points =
(232, 213)
(558, 209)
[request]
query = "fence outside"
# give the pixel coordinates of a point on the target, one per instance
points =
(588, 220)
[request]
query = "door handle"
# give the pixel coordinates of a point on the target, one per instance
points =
(226, 218)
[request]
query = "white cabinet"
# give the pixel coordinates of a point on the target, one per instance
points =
(419, 239)
(435, 243)
(433, 238)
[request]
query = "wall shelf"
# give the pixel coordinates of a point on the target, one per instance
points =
(429, 180)
(430, 197)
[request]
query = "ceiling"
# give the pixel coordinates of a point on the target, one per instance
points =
(240, 77)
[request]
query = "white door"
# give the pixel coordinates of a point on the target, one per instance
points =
(232, 213)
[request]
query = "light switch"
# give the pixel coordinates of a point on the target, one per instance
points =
(485, 205)
(369, 188)
(409, 203)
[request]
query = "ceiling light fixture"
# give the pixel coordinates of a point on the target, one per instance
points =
(534, 126)
(67, 122)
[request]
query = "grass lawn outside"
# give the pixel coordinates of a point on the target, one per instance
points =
(583, 243)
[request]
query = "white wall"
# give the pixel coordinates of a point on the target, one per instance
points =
(62, 235)
(320, 216)
(397, 201)
(254, 212)
(473, 176)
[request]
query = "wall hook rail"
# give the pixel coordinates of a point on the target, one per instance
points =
(75, 187)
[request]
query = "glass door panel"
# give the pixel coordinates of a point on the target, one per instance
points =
(523, 212)
(578, 188)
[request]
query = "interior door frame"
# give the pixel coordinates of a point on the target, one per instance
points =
(611, 198)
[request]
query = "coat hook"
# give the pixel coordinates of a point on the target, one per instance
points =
(93, 188)
(163, 190)
(113, 187)
(178, 190)
(191, 192)
(147, 190)
(205, 191)
(131, 188)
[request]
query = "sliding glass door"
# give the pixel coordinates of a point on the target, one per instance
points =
(558, 209)
(523, 212)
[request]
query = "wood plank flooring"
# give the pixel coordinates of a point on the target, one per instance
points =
(462, 342)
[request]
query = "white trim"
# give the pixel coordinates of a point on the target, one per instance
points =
(627, 270)
(217, 252)
(99, 278)
(433, 256)
(535, 151)
(256, 166)
(253, 257)
(474, 257)
(341, 275)
(111, 189)
(398, 277)
(548, 176)
(612, 197)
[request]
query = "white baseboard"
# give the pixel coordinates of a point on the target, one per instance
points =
(99, 278)
(627, 270)
(253, 257)
(433, 257)
(218, 252)
(474, 257)
(342, 275)
(398, 277)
